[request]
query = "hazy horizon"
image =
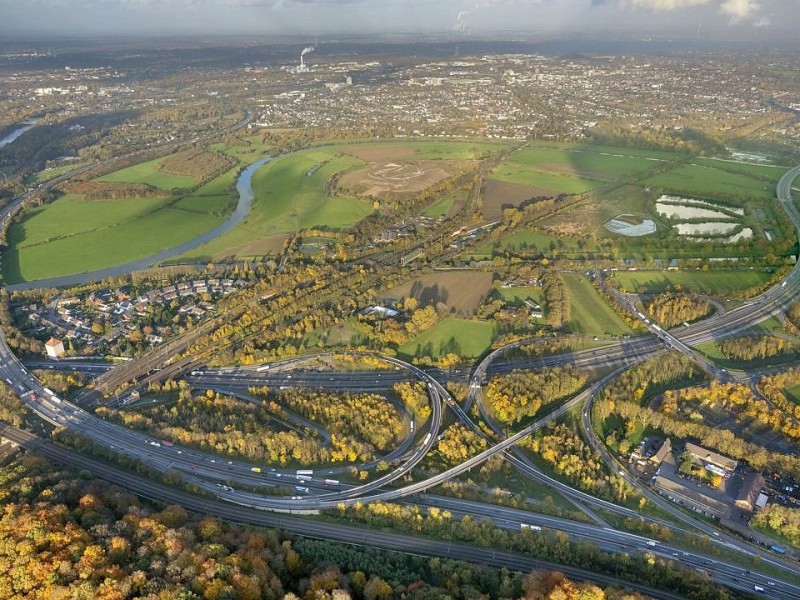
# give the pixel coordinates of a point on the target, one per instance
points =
(701, 19)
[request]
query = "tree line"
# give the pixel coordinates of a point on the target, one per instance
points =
(755, 347)
(643, 567)
(723, 441)
(556, 299)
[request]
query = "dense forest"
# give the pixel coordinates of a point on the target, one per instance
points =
(674, 308)
(68, 536)
(365, 417)
(576, 461)
(523, 393)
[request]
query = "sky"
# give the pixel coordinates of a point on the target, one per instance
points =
(729, 19)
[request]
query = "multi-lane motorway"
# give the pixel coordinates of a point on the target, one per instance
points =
(208, 471)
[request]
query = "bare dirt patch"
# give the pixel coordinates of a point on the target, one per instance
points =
(377, 154)
(498, 195)
(461, 290)
(579, 220)
(395, 178)
(200, 164)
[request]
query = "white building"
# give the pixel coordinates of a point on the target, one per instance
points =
(54, 348)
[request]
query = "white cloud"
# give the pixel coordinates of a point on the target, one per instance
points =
(739, 10)
(666, 5)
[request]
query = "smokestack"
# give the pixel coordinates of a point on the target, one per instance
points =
(303, 53)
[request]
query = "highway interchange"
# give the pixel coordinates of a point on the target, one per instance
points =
(209, 472)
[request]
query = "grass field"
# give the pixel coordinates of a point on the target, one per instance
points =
(455, 150)
(340, 334)
(717, 283)
(514, 294)
(767, 172)
(447, 206)
(246, 149)
(793, 393)
(48, 174)
(149, 174)
(422, 150)
(589, 314)
(555, 183)
(106, 247)
(592, 162)
(698, 180)
(619, 151)
(591, 216)
(290, 194)
(74, 235)
(469, 339)
(572, 169)
(216, 197)
(71, 215)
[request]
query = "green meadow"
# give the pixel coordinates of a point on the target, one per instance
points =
(291, 194)
(716, 283)
(148, 173)
(701, 180)
(467, 338)
(589, 313)
(75, 235)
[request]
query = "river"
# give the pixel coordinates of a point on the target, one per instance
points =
(11, 137)
(244, 187)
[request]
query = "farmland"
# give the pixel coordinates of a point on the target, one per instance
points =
(498, 195)
(718, 283)
(589, 314)
(466, 338)
(460, 290)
